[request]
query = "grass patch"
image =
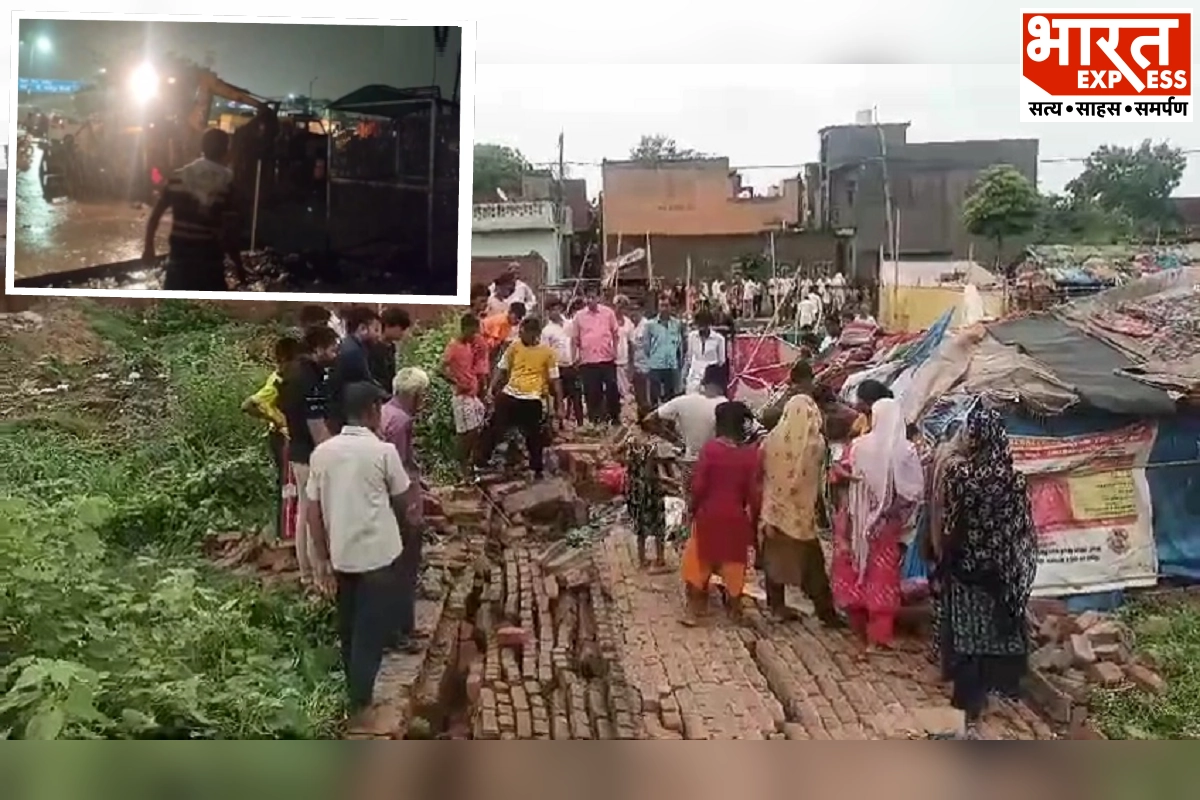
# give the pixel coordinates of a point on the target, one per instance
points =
(1168, 634)
(111, 624)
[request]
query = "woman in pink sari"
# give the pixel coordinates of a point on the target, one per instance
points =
(882, 475)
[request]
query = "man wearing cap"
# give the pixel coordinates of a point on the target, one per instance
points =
(358, 508)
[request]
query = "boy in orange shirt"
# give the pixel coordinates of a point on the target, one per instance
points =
(460, 368)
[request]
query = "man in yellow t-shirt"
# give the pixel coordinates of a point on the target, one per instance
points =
(526, 378)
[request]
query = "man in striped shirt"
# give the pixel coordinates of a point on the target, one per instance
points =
(203, 221)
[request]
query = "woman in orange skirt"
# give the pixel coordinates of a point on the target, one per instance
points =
(726, 497)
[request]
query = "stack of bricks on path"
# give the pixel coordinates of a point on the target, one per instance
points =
(549, 669)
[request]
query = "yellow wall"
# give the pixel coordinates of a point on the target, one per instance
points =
(915, 308)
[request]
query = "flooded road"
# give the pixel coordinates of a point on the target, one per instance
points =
(66, 235)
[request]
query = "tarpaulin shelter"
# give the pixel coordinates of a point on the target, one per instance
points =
(760, 363)
(1111, 459)
(402, 146)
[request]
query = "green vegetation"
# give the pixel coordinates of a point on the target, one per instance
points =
(1003, 205)
(435, 424)
(111, 624)
(1168, 633)
(1122, 195)
(498, 166)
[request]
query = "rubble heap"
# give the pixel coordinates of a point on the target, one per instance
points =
(1075, 654)
(547, 665)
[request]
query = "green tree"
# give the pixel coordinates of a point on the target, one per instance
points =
(499, 166)
(1066, 220)
(1004, 204)
(655, 147)
(1135, 182)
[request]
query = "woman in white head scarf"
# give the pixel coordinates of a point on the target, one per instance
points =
(882, 470)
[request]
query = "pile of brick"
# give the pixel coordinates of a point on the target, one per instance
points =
(1074, 655)
(541, 662)
(549, 666)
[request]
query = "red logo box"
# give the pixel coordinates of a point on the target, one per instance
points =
(1081, 53)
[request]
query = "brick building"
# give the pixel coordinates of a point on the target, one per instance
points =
(699, 208)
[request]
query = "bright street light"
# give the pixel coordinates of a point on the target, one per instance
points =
(43, 44)
(144, 83)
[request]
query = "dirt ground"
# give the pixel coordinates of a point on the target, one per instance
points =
(546, 636)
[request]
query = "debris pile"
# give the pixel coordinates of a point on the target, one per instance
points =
(549, 669)
(1074, 655)
(537, 653)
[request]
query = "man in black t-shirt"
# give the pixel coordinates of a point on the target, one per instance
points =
(381, 353)
(303, 399)
(353, 363)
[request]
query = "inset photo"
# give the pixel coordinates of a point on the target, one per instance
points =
(239, 158)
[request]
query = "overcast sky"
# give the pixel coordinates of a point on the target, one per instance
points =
(769, 115)
(950, 68)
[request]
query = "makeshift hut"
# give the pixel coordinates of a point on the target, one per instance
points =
(1091, 403)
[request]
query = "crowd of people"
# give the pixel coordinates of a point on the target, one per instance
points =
(759, 489)
(340, 418)
(788, 296)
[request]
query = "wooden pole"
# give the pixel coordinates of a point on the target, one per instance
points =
(617, 272)
(773, 290)
(649, 264)
(254, 214)
(688, 296)
(896, 267)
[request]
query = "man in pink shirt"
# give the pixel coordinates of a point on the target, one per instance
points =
(596, 331)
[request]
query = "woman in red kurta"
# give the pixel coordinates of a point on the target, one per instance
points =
(883, 475)
(726, 496)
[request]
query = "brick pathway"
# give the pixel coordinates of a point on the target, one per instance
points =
(771, 680)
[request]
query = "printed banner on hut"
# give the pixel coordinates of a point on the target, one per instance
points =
(1082, 64)
(1091, 506)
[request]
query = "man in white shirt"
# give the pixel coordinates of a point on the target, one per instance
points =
(693, 416)
(806, 312)
(750, 298)
(357, 491)
(625, 328)
(509, 289)
(705, 347)
(558, 335)
(718, 293)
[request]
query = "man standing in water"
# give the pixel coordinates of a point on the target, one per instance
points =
(203, 221)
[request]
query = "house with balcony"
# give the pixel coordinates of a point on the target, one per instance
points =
(521, 228)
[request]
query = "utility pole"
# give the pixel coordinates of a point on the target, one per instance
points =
(888, 206)
(560, 212)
